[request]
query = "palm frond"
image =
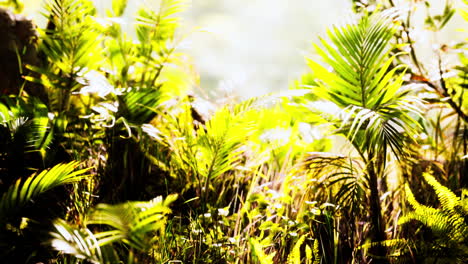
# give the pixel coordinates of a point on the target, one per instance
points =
(160, 22)
(219, 144)
(76, 242)
(72, 39)
(69, 46)
(134, 223)
(140, 106)
(343, 174)
(27, 118)
(267, 100)
(364, 85)
(360, 62)
(24, 191)
(119, 6)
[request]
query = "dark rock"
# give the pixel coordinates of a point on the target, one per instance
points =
(18, 47)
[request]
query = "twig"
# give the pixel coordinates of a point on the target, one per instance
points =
(442, 91)
(406, 26)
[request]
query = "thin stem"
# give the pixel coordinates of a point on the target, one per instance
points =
(406, 27)
(442, 91)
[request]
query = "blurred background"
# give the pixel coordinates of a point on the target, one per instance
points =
(249, 48)
(254, 47)
(245, 48)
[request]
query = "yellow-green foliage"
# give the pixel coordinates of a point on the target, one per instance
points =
(447, 222)
(259, 253)
(311, 255)
(23, 191)
(137, 224)
(295, 255)
(257, 181)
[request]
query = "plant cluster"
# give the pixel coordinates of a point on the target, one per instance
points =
(107, 156)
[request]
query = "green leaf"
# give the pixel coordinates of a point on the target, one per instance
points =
(259, 254)
(119, 6)
(24, 191)
(133, 223)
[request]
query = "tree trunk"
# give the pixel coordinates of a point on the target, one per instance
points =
(377, 225)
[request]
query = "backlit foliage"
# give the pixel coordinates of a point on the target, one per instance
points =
(332, 171)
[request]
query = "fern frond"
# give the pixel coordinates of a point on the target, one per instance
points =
(447, 198)
(294, 256)
(259, 253)
(316, 252)
(390, 243)
(437, 222)
(397, 248)
(416, 205)
(448, 223)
